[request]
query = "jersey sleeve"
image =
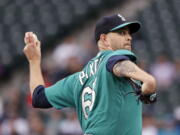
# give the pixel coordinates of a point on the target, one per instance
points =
(117, 56)
(39, 99)
(61, 94)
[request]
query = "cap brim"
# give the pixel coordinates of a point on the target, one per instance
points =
(133, 26)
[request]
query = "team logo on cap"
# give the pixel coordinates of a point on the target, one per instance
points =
(122, 18)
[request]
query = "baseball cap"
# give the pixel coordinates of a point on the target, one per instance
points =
(114, 22)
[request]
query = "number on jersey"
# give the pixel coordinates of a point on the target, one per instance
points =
(88, 98)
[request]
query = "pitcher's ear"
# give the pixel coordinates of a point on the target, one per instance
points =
(103, 38)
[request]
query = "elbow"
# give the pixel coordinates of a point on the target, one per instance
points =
(34, 103)
(39, 99)
(36, 96)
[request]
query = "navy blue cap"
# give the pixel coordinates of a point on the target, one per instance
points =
(114, 22)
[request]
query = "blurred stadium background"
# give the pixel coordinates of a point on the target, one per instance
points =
(66, 30)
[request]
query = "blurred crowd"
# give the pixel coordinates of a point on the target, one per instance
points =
(17, 117)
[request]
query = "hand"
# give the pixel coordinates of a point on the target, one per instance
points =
(148, 93)
(146, 98)
(149, 85)
(32, 48)
(149, 98)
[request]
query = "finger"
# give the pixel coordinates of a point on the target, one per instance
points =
(26, 38)
(31, 45)
(35, 37)
(25, 48)
(32, 38)
(38, 43)
(26, 34)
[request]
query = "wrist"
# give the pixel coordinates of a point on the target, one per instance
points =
(32, 62)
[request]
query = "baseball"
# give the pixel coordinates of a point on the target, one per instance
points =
(35, 37)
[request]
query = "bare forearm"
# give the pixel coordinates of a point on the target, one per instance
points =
(32, 50)
(36, 77)
(128, 69)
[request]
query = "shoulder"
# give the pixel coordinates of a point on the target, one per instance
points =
(119, 55)
(127, 53)
(109, 53)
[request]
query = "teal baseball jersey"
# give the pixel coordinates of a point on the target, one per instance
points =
(105, 103)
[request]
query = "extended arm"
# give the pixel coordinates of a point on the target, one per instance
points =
(127, 68)
(32, 51)
(36, 78)
(59, 95)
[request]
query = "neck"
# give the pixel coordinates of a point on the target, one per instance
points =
(103, 47)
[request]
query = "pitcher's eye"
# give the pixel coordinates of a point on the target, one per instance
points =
(122, 32)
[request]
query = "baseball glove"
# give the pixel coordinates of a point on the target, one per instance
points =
(145, 98)
(148, 98)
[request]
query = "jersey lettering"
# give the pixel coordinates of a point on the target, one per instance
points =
(88, 72)
(81, 76)
(95, 65)
(91, 69)
(88, 98)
